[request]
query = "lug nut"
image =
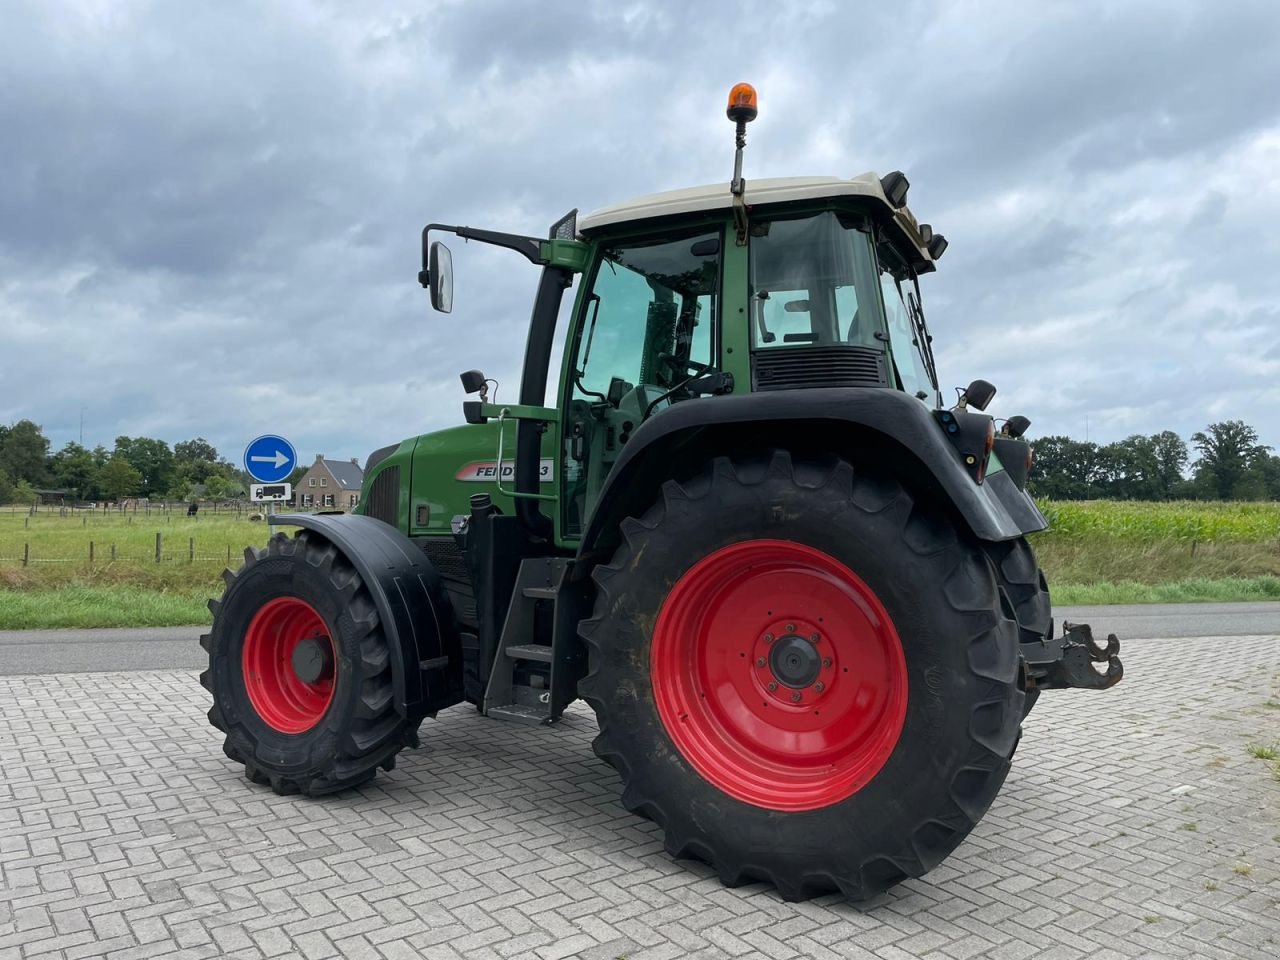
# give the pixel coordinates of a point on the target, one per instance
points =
(768, 638)
(814, 638)
(791, 628)
(795, 697)
(826, 661)
(819, 686)
(772, 686)
(759, 661)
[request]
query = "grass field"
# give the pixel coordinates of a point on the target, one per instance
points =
(1096, 552)
(59, 587)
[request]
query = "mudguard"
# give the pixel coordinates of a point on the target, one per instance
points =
(413, 607)
(885, 426)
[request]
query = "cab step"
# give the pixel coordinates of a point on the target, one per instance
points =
(529, 664)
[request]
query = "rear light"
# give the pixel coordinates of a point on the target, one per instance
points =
(1015, 455)
(973, 435)
(986, 451)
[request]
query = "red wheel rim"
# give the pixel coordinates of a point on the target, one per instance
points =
(779, 675)
(282, 698)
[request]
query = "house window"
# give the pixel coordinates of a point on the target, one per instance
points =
(355, 498)
(328, 499)
(307, 499)
(311, 482)
(324, 482)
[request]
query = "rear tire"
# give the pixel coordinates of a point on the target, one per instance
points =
(910, 780)
(311, 736)
(1024, 583)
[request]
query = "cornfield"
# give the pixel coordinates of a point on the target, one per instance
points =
(1185, 521)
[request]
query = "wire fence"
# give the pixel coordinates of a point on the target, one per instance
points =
(96, 552)
(152, 510)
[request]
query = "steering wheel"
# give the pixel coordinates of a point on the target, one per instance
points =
(682, 366)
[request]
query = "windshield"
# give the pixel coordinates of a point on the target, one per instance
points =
(813, 281)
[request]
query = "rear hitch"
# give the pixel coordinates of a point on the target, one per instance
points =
(1067, 661)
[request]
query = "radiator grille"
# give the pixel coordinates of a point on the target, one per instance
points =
(791, 368)
(384, 497)
(446, 556)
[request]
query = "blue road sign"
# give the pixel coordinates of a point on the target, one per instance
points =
(270, 459)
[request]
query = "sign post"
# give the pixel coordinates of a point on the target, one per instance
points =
(270, 459)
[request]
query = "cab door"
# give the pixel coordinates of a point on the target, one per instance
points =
(644, 327)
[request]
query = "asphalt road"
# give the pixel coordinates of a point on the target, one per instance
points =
(35, 652)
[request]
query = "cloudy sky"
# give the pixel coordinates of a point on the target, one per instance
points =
(209, 213)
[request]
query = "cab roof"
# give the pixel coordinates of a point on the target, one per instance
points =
(716, 196)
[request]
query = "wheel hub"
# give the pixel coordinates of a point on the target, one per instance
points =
(311, 657)
(795, 661)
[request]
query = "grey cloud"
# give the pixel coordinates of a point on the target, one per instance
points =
(209, 216)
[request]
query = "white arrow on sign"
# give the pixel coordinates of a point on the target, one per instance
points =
(279, 459)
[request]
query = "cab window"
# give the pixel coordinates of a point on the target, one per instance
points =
(904, 332)
(806, 274)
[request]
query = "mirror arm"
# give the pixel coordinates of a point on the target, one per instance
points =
(528, 247)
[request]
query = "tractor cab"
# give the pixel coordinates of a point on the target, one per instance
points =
(821, 292)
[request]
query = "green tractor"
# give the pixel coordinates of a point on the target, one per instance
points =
(792, 583)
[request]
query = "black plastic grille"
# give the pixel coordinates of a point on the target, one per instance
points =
(791, 368)
(384, 497)
(446, 556)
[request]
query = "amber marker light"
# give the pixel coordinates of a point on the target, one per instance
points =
(742, 103)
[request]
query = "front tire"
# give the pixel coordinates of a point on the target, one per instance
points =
(300, 671)
(880, 744)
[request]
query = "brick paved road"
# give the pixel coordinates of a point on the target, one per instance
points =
(1135, 823)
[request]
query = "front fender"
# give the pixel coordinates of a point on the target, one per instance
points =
(413, 607)
(887, 427)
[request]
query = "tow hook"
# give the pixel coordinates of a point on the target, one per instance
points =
(1068, 660)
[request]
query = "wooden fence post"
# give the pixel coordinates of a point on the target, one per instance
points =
(228, 554)
(159, 546)
(91, 551)
(113, 551)
(26, 554)
(191, 550)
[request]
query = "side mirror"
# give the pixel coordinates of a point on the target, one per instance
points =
(440, 270)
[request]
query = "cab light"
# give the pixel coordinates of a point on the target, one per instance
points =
(743, 107)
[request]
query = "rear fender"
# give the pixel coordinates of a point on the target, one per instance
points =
(426, 649)
(886, 429)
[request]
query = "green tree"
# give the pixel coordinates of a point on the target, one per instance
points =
(1066, 469)
(1171, 455)
(219, 487)
(1131, 469)
(1227, 451)
(120, 479)
(73, 467)
(24, 493)
(196, 459)
(1261, 481)
(6, 487)
(151, 458)
(23, 451)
